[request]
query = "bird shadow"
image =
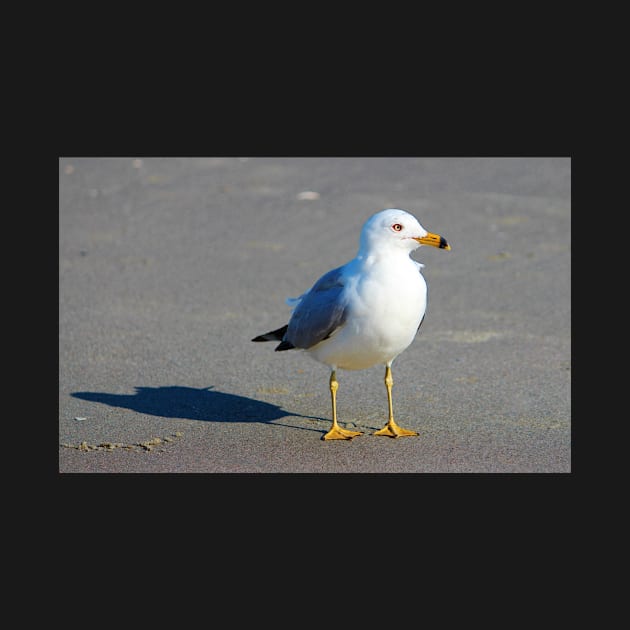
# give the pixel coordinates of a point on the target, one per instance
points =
(174, 401)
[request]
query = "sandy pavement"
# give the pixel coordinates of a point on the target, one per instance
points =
(169, 266)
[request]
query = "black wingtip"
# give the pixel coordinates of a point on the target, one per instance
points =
(274, 335)
(285, 345)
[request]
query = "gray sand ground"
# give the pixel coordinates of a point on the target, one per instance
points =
(168, 267)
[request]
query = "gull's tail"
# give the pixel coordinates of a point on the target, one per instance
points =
(276, 335)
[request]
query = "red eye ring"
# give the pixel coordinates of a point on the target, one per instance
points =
(397, 227)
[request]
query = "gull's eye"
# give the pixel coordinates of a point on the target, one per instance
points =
(397, 227)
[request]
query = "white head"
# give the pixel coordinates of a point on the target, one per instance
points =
(397, 230)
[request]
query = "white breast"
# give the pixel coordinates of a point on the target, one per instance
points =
(386, 305)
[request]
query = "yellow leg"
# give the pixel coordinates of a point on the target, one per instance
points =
(391, 429)
(336, 432)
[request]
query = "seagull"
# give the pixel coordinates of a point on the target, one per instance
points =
(365, 312)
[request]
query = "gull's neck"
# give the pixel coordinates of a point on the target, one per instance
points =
(375, 256)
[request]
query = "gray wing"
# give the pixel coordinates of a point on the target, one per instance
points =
(319, 312)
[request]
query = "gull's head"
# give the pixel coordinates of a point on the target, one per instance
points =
(397, 229)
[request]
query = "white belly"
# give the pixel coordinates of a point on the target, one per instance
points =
(384, 314)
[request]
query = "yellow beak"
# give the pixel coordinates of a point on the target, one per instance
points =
(435, 240)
